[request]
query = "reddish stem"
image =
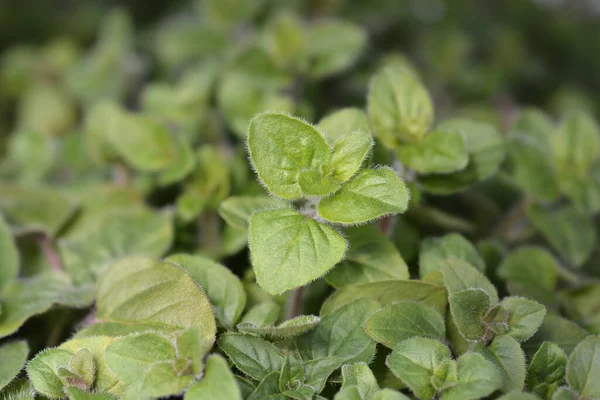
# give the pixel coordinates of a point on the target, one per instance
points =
(47, 247)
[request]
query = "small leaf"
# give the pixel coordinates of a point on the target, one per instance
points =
(576, 144)
(460, 275)
(13, 356)
(469, 307)
(546, 370)
(388, 292)
(83, 365)
(506, 354)
(438, 152)
(280, 147)
(349, 154)
(78, 394)
(319, 370)
(343, 122)
(43, 372)
(183, 163)
(223, 288)
(445, 375)
(372, 257)
(262, 314)
(9, 255)
(237, 210)
(519, 396)
(20, 389)
(360, 376)
(251, 355)
(414, 360)
(435, 250)
(524, 317)
(217, 383)
(477, 378)
(371, 194)
(400, 321)
(161, 380)
(268, 389)
(289, 250)
(583, 368)
(314, 183)
(341, 334)
(564, 393)
(292, 327)
(388, 394)
(129, 357)
(561, 331)
(568, 230)
(399, 107)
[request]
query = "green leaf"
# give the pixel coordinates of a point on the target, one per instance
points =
(319, 370)
(581, 305)
(20, 389)
(530, 271)
(564, 393)
(343, 122)
(524, 317)
(349, 393)
(33, 209)
(388, 292)
(26, 297)
(268, 389)
(576, 144)
(252, 355)
(262, 314)
(469, 307)
(486, 148)
(223, 288)
(400, 321)
(144, 291)
(9, 255)
(162, 380)
(359, 375)
(333, 46)
(129, 357)
(292, 327)
(349, 154)
(237, 210)
(506, 354)
(82, 363)
(371, 194)
(460, 275)
(414, 360)
(561, 331)
(583, 368)
(445, 375)
(438, 152)
(569, 231)
(43, 372)
(372, 257)
(399, 107)
(531, 167)
(314, 183)
(281, 146)
(388, 394)
(217, 383)
(546, 370)
(341, 334)
(535, 123)
(477, 378)
(288, 250)
(434, 251)
(13, 356)
(181, 166)
(519, 396)
(285, 40)
(78, 394)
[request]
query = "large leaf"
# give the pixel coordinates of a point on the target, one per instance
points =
(288, 250)
(576, 143)
(43, 372)
(439, 152)
(372, 257)
(434, 251)
(252, 355)
(469, 307)
(477, 378)
(343, 122)
(223, 288)
(524, 317)
(237, 210)
(371, 194)
(561, 331)
(400, 321)
(546, 370)
(583, 368)
(460, 275)
(280, 147)
(13, 356)
(506, 354)
(217, 383)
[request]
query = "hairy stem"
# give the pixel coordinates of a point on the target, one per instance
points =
(47, 247)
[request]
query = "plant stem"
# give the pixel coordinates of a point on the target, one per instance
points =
(295, 303)
(120, 174)
(512, 221)
(47, 247)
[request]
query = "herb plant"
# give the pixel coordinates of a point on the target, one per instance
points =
(270, 200)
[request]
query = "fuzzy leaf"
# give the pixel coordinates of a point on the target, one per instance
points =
(251, 355)
(524, 317)
(506, 354)
(292, 327)
(372, 257)
(360, 376)
(546, 370)
(576, 144)
(583, 368)
(414, 360)
(262, 314)
(223, 288)
(349, 154)
(343, 122)
(561, 331)
(314, 183)
(78, 394)
(438, 152)
(435, 250)
(519, 396)
(289, 250)
(469, 307)
(477, 378)
(82, 363)
(280, 147)
(161, 380)
(13, 356)
(371, 194)
(399, 107)
(400, 321)
(43, 372)
(217, 383)
(460, 275)
(237, 210)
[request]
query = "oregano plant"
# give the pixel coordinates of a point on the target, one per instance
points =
(322, 200)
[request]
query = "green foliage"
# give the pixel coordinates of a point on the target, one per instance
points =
(306, 200)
